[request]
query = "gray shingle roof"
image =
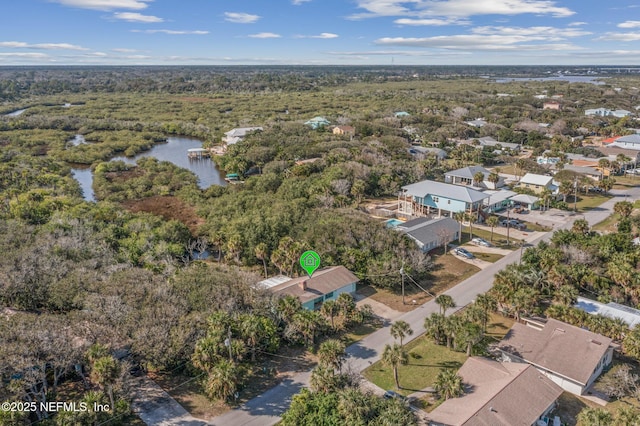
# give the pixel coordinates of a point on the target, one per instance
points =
(428, 230)
(444, 190)
(559, 347)
(469, 172)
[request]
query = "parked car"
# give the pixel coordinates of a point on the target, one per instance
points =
(459, 251)
(509, 222)
(392, 395)
(480, 242)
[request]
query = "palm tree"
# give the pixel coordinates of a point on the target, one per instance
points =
(546, 196)
(469, 335)
(331, 354)
(394, 356)
(218, 240)
(460, 217)
(445, 302)
(329, 309)
(623, 208)
(355, 407)
(449, 384)
(400, 329)
(262, 253)
(606, 184)
(493, 221)
(478, 178)
(452, 326)
(488, 304)
(323, 379)
(234, 247)
(469, 217)
(566, 188)
(580, 226)
(494, 178)
(622, 273)
(105, 371)
(222, 381)
(434, 326)
(288, 306)
(595, 417)
(255, 329)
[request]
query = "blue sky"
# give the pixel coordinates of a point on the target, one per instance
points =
(319, 32)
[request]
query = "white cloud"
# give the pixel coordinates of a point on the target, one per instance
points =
(577, 24)
(434, 22)
(476, 42)
(547, 33)
(98, 54)
(23, 55)
(137, 17)
(458, 8)
(137, 57)
(106, 4)
(172, 32)
(265, 35)
(43, 46)
(123, 50)
(620, 37)
(299, 2)
(240, 18)
(322, 35)
(629, 24)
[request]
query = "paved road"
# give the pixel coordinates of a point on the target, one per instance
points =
(265, 409)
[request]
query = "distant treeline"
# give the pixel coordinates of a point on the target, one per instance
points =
(19, 82)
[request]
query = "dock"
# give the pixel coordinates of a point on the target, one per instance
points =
(198, 153)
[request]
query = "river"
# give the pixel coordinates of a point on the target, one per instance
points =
(174, 151)
(565, 78)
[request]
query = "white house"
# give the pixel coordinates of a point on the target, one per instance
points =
(628, 142)
(613, 310)
(604, 112)
(234, 136)
(570, 356)
(537, 183)
(465, 176)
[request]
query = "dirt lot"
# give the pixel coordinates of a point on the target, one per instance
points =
(168, 207)
(447, 272)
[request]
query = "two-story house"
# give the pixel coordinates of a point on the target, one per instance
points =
(431, 197)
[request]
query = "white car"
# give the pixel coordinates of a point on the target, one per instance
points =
(480, 242)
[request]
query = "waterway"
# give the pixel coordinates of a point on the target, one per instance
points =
(15, 113)
(174, 151)
(597, 80)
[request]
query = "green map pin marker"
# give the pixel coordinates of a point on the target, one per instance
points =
(310, 261)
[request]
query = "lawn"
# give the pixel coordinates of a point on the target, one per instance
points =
(625, 182)
(426, 359)
(446, 273)
(588, 202)
(488, 257)
(607, 225)
(498, 326)
(360, 331)
(499, 240)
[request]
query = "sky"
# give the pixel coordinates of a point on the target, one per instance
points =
(320, 32)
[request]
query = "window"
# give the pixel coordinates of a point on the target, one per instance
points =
(328, 296)
(435, 199)
(448, 201)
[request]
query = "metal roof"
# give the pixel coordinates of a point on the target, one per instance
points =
(629, 315)
(444, 190)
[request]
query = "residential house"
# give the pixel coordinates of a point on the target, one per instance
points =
(551, 105)
(628, 142)
(537, 183)
(570, 356)
(423, 151)
(401, 114)
(590, 172)
(317, 122)
(498, 394)
(465, 176)
(544, 160)
(478, 122)
(430, 233)
(234, 136)
(612, 153)
(423, 198)
(489, 141)
(612, 310)
(325, 284)
(498, 200)
(525, 200)
(604, 112)
(344, 130)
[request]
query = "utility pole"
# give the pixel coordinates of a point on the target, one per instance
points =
(402, 279)
(508, 223)
(575, 195)
(227, 343)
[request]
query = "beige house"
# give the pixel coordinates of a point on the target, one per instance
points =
(551, 105)
(537, 183)
(498, 394)
(570, 356)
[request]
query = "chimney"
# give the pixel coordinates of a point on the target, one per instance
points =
(303, 284)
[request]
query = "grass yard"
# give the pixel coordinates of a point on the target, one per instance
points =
(498, 326)
(426, 359)
(499, 240)
(588, 202)
(487, 257)
(607, 225)
(447, 272)
(360, 331)
(626, 182)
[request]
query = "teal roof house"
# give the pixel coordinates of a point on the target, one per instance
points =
(317, 122)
